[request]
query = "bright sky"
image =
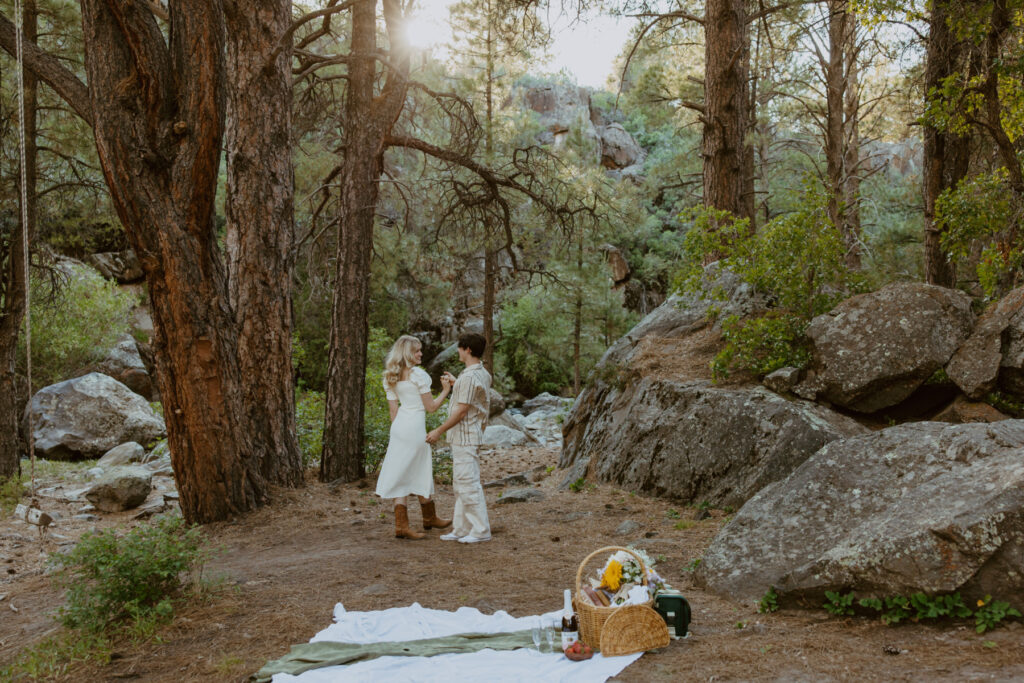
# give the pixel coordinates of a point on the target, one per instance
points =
(585, 50)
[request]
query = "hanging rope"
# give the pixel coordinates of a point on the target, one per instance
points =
(20, 56)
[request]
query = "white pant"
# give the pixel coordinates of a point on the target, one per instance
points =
(470, 516)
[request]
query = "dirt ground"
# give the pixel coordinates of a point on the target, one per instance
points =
(286, 566)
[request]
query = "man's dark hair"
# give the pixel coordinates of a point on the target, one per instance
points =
(474, 342)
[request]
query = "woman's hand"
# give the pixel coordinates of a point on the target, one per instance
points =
(445, 382)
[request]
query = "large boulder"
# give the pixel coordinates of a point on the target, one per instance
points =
(124, 363)
(923, 507)
(874, 350)
(618, 148)
(692, 441)
(87, 416)
(997, 340)
(121, 488)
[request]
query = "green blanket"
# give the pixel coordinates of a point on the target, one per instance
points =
(315, 655)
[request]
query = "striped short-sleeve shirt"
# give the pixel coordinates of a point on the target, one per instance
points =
(472, 388)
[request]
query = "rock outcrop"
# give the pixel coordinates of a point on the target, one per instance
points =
(695, 442)
(650, 420)
(874, 350)
(87, 416)
(923, 507)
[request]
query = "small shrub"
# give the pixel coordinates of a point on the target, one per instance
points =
(838, 604)
(769, 601)
(684, 524)
(991, 612)
(672, 513)
(578, 485)
(133, 578)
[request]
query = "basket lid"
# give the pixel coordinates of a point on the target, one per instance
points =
(633, 628)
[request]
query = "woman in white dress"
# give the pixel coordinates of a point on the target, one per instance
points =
(407, 469)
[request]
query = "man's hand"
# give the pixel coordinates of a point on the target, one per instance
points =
(433, 436)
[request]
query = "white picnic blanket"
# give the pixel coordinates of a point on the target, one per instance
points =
(415, 622)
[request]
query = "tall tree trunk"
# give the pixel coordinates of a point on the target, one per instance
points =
(368, 120)
(260, 226)
(834, 109)
(851, 183)
(841, 129)
(725, 106)
(13, 284)
(159, 141)
(946, 155)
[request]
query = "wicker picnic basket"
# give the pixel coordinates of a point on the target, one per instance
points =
(633, 628)
(593, 617)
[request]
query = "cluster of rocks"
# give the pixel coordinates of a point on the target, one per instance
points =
(127, 477)
(829, 497)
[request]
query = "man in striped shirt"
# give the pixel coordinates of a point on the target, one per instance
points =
(468, 410)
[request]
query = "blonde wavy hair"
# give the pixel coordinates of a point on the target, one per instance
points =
(400, 357)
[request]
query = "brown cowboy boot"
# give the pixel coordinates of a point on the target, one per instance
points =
(402, 529)
(430, 518)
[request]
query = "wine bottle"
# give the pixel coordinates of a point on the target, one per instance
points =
(570, 622)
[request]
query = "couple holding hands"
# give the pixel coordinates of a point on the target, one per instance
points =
(407, 469)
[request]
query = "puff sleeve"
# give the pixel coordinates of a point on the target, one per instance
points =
(421, 379)
(389, 391)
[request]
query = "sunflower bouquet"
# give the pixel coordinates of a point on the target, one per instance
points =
(624, 581)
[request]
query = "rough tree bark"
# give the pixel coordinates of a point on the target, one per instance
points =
(368, 121)
(12, 285)
(725, 107)
(841, 135)
(946, 155)
(259, 207)
(158, 115)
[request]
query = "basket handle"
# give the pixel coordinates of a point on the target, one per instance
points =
(610, 548)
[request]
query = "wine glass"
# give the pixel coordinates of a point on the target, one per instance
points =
(538, 633)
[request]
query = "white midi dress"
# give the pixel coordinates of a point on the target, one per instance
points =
(407, 468)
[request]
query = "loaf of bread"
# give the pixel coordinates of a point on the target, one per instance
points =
(592, 596)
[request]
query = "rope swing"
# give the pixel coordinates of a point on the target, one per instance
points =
(32, 513)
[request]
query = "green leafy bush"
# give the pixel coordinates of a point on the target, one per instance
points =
(74, 324)
(533, 339)
(134, 578)
(991, 612)
(769, 601)
(983, 211)
(838, 604)
(795, 260)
